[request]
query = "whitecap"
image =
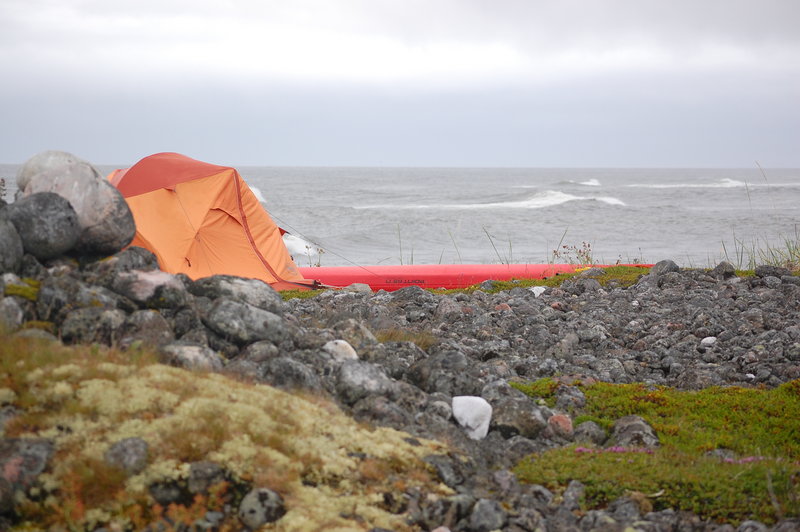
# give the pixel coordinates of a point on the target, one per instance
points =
(722, 183)
(548, 198)
(257, 193)
(590, 183)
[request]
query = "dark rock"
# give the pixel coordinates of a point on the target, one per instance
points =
(92, 324)
(487, 515)
(47, 224)
(10, 243)
(518, 415)
(723, 270)
(633, 431)
(146, 327)
(590, 432)
(764, 271)
(129, 455)
(204, 475)
(664, 267)
(259, 507)
(289, 374)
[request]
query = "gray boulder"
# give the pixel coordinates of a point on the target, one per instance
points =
(147, 327)
(259, 507)
(357, 379)
(47, 224)
(10, 243)
(289, 374)
(633, 431)
(105, 219)
(92, 324)
(21, 462)
(189, 356)
(11, 314)
(251, 291)
(243, 323)
(487, 515)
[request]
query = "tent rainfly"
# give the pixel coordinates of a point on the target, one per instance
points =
(202, 219)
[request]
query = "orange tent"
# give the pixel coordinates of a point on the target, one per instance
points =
(202, 219)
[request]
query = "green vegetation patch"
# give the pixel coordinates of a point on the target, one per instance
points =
(286, 295)
(29, 289)
(754, 474)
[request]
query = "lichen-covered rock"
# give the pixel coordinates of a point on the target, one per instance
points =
(47, 224)
(357, 379)
(22, 460)
(146, 327)
(251, 291)
(243, 323)
(10, 243)
(190, 356)
(447, 372)
(105, 219)
(261, 506)
(128, 454)
(105, 271)
(203, 475)
(633, 431)
(11, 314)
(92, 324)
(355, 333)
(289, 374)
(487, 515)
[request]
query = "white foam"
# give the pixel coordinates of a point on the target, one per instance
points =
(548, 198)
(722, 183)
(590, 183)
(257, 193)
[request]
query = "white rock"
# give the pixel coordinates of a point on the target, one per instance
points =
(340, 350)
(474, 414)
(708, 341)
(538, 290)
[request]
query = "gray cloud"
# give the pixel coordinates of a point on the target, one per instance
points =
(454, 82)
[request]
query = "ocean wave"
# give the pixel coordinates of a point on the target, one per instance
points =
(722, 183)
(257, 193)
(549, 198)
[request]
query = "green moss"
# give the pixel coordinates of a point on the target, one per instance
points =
(761, 427)
(29, 289)
(299, 294)
(48, 326)
(540, 389)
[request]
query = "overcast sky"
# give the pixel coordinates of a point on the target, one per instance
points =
(404, 82)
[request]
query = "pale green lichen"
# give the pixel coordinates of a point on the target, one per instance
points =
(7, 396)
(264, 436)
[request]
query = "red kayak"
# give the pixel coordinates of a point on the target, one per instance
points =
(432, 275)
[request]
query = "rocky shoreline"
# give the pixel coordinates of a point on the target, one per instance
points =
(400, 359)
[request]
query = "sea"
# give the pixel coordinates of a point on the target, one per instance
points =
(338, 216)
